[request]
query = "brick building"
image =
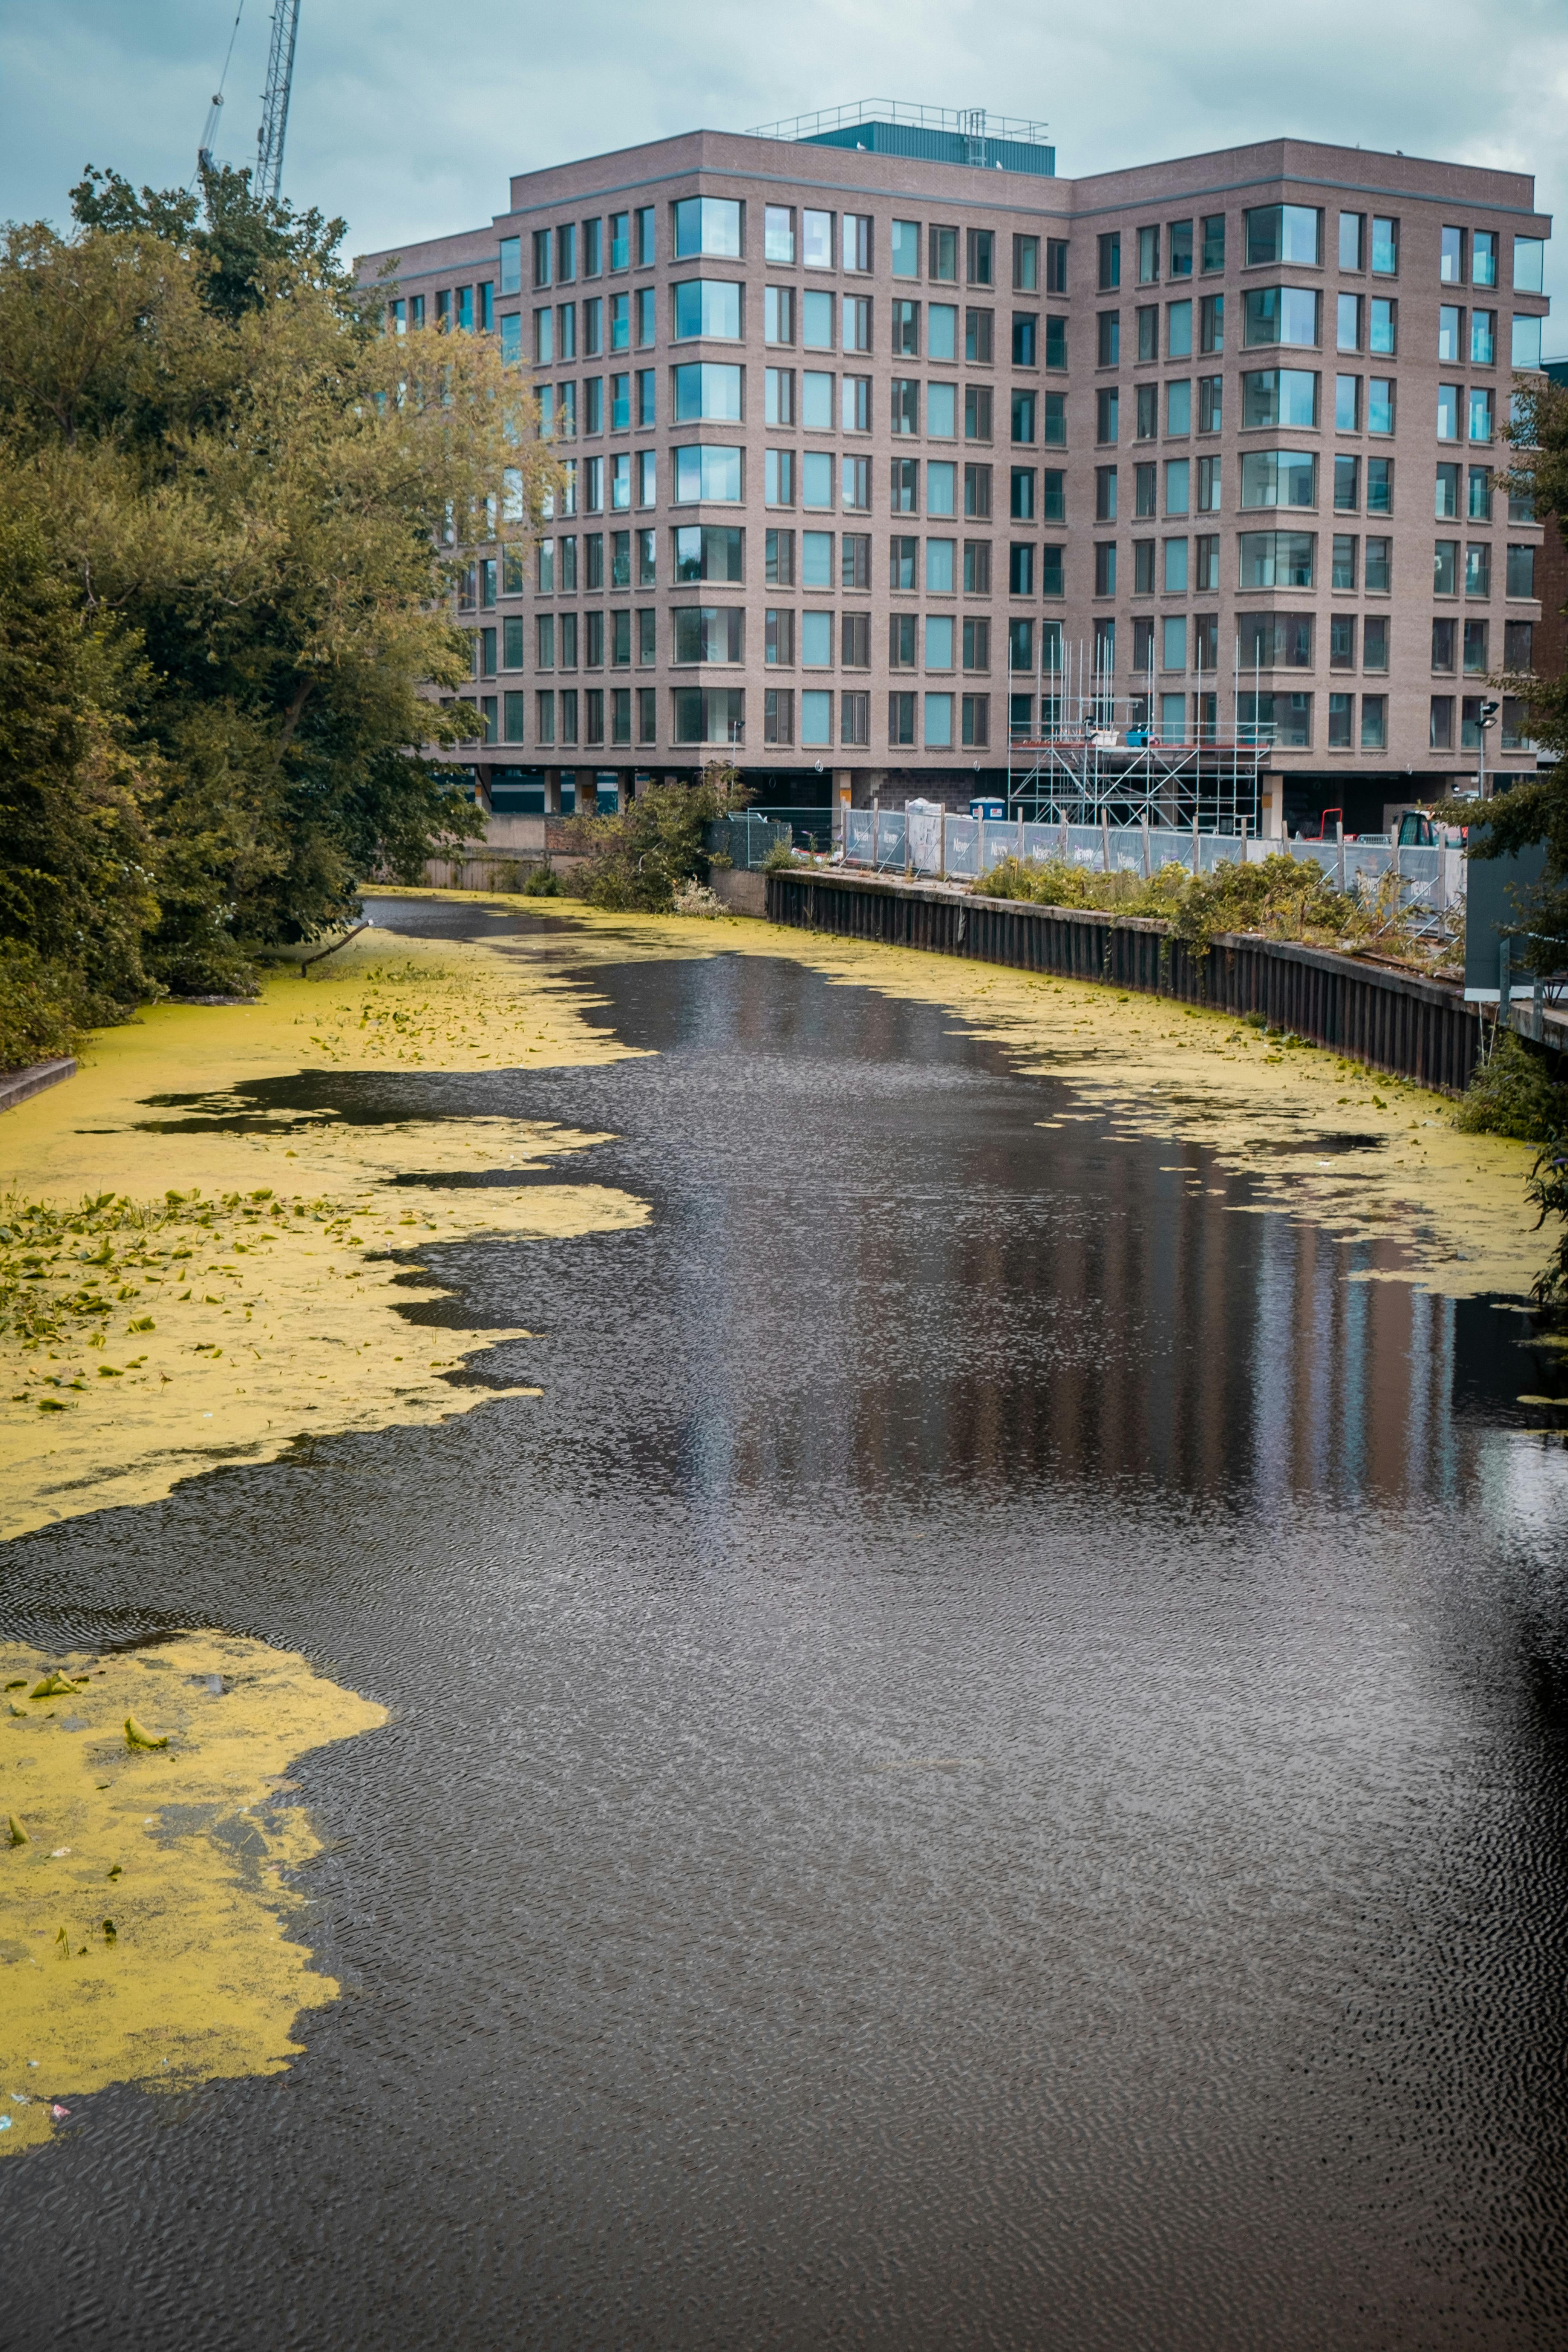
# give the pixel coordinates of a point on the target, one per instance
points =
(886, 441)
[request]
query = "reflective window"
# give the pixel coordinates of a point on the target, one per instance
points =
(1281, 314)
(707, 225)
(1278, 478)
(707, 306)
(1282, 233)
(706, 391)
(707, 472)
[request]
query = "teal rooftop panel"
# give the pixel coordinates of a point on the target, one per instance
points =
(930, 134)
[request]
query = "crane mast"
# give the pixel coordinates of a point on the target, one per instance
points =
(275, 99)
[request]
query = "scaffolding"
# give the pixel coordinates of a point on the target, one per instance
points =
(1080, 753)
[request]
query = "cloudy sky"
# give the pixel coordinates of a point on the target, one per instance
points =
(408, 117)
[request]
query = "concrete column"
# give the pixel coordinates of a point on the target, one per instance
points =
(1272, 791)
(553, 791)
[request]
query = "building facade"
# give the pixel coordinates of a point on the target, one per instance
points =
(882, 460)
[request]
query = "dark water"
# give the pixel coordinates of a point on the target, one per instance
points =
(986, 1767)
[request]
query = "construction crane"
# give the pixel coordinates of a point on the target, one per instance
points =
(275, 100)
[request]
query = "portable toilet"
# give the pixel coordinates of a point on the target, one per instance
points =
(993, 812)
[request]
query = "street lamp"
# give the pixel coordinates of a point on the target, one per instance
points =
(1486, 717)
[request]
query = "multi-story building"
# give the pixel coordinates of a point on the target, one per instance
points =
(888, 445)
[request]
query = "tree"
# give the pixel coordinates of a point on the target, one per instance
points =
(250, 498)
(1537, 812)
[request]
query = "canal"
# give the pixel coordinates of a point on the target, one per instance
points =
(985, 1765)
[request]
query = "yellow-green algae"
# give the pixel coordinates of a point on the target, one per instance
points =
(173, 1297)
(149, 1918)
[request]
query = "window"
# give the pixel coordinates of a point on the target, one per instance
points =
(938, 567)
(1109, 261)
(1379, 566)
(1105, 494)
(707, 225)
(938, 715)
(1174, 569)
(1448, 399)
(1179, 407)
(855, 404)
(1477, 634)
(778, 559)
(1347, 484)
(1025, 338)
(900, 719)
(1347, 322)
(1380, 404)
(906, 329)
(778, 714)
(1470, 722)
(1446, 567)
(903, 495)
(1025, 265)
(1211, 323)
(905, 249)
(977, 411)
(1353, 228)
(1440, 723)
(545, 718)
(707, 552)
(976, 721)
(778, 314)
(705, 391)
(1179, 248)
(1483, 341)
(566, 254)
(977, 567)
(1280, 314)
(778, 395)
(1056, 265)
(1143, 627)
(1108, 347)
(1385, 247)
(778, 233)
(1107, 412)
(1521, 571)
(1178, 331)
(1447, 493)
(903, 641)
(542, 251)
(904, 412)
(855, 640)
(1146, 489)
(1374, 642)
(1105, 568)
(944, 256)
(1450, 332)
(1526, 341)
(855, 242)
(1278, 559)
(1515, 736)
(1451, 260)
(706, 306)
(939, 640)
(647, 473)
(643, 308)
(977, 327)
(1173, 642)
(1444, 639)
(1478, 506)
(1275, 640)
(1483, 258)
(1024, 413)
(903, 559)
(1148, 324)
(1341, 716)
(817, 400)
(976, 645)
(1374, 722)
(1282, 233)
(778, 478)
(1021, 504)
(1341, 641)
(941, 479)
(977, 489)
(816, 478)
(1480, 412)
(710, 714)
(1380, 486)
(1148, 256)
(979, 255)
(644, 237)
(1178, 486)
(855, 559)
(1279, 718)
(1381, 335)
(1529, 265)
(707, 472)
(1147, 412)
(1205, 562)
(1020, 570)
(941, 411)
(816, 319)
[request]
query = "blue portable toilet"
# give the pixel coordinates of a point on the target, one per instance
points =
(994, 812)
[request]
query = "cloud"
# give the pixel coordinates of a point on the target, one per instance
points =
(409, 119)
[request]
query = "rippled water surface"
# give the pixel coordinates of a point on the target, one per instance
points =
(984, 1767)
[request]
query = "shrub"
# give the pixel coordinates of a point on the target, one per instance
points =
(1517, 1093)
(541, 882)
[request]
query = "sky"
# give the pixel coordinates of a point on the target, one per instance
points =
(408, 117)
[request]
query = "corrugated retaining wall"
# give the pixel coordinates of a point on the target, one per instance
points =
(1392, 1021)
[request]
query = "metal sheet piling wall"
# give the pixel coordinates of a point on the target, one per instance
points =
(1391, 1021)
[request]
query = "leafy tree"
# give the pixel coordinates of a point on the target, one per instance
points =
(639, 858)
(250, 499)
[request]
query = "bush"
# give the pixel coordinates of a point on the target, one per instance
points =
(44, 1008)
(1547, 1187)
(1517, 1093)
(638, 860)
(780, 857)
(697, 898)
(541, 882)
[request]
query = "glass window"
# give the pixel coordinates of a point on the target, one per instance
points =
(906, 248)
(855, 240)
(938, 722)
(1056, 342)
(1446, 567)
(1281, 314)
(906, 329)
(816, 319)
(643, 307)
(778, 395)
(1179, 405)
(1278, 478)
(1055, 265)
(1529, 265)
(707, 225)
(1023, 410)
(1021, 503)
(939, 566)
(1380, 486)
(1478, 503)
(1483, 339)
(942, 487)
(1053, 494)
(1282, 233)
(778, 233)
(817, 400)
(1111, 261)
(707, 472)
(511, 265)
(1448, 399)
(855, 405)
(1342, 640)
(1381, 336)
(1526, 350)
(1106, 412)
(977, 411)
(1276, 719)
(817, 239)
(1175, 575)
(1347, 403)
(1521, 571)
(1379, 404)
(1451, 262)
(1347, 484)
(778, 478)
(1025, 338)
(816, 478)
(1212, 242)
(1148, 256)
(1025, 265)
(977, 327)
(644, 237)
(1146, 489)
(1444, 633)
(941, 331)
(1476, 638)
(1054, 424)
(816, 640)
(1278, 559)
(778, 314)
(1173, 641)
(1480, 412)
(1279, 396)
(1450, 331)
(1342, 713)
(1344, 561)
(1379, 571)
(980, 250)
(942, 412)
(1109, 340)
(1351, 228)
(1178, 486)
(938, 636)
(1385, 247)
(706, 391)
(1374, 722)
(566, 254)
(1347, 322)
(815, 718)
(944, 256)
(512, 337)
(816, 559)
(706, 306)
(1211, 323)
(1440, 725)
(1478, 569)
(1483, 258)
(1148, 322)
(1178, 331)
(1179, 248)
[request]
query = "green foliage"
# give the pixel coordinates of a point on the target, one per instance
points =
(224, 502)
(638, 860)
(780, 857)
(1279, 897)
(1546, 1188)
(542, 882)
(1517, 1093)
